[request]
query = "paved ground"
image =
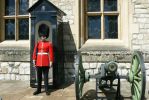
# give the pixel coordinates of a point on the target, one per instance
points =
(20, 90)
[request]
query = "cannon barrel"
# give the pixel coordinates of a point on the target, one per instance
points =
(111, 67)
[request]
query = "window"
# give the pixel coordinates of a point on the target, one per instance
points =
(102, 19)
(16, 20)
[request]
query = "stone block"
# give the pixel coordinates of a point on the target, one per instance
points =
(86, 66)
(128, 65)
(17, 64)
(11, 64)
(12, 77)
(141, 11)
(146, 25)
(124, 72)
(71, 22)
(7, 77)
(90, 71)
(61, 4)
(24, 68)
(121, 65)
(99, 65)
(93, 65)
(15, 70)
(9, 69)
(4, 64)
(27, 70)
(145, 48)
(62, 0)
(69, 7)
(136, 47)
(137, 42)
(143, 31)
(142, 25)
(95, 71)
(147, 72)
(3, 70)
(147, 78)
(134, 20)
(21, 70)
(119, 71)
(17, 77)
(25, 65)
(146, 15)
(134, 1)
(140, 36)
(147, 66)
(2, 76)
(134, 36)
(62, 7)
(139, 6)
(25, 77)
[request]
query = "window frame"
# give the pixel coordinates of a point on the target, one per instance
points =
(16, 17)
(123, 29)
(102, 13)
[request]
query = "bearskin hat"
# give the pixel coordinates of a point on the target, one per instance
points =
(43, 30)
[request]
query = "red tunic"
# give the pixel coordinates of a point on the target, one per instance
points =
(44, 54)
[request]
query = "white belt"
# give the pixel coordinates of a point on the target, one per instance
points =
(42, 53)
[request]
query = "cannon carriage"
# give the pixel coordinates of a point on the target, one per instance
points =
(107, 73)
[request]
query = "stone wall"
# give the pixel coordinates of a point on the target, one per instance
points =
(140, 38)
(14, 63)
(14, 71)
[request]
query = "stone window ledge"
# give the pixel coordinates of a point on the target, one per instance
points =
(14, 51)
(17, 44)
(100, 46)
(104, 53)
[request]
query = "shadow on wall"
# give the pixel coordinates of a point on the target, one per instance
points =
(69, 52)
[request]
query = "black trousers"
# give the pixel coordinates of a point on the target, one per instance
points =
(45, 71)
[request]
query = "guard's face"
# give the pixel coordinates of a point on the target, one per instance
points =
(43, 38)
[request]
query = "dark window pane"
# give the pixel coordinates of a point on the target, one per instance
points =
(94, 27)
(9, 7)
(110, 5)
(23, 29)
(10, 29)
(23, 6)
(111, 27)
(93, 5)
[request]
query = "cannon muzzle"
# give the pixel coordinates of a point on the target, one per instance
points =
(111, 67)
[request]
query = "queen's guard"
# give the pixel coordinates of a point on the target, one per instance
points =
(43, 57)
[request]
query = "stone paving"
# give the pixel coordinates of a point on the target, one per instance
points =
(20, 90)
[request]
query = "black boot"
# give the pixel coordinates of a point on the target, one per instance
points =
(36, 92)
(47, 93)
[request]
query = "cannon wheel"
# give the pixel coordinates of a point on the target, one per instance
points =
(79, 77)
(137, 76)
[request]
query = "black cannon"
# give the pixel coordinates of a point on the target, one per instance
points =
(107, 73)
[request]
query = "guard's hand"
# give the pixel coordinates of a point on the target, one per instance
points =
(50, 64)
(34, 63)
